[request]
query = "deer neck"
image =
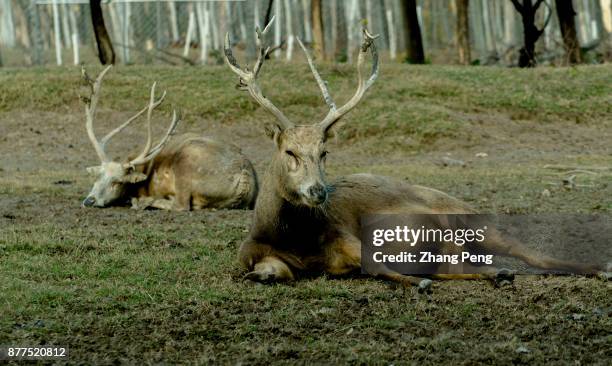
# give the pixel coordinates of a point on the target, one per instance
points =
(280, 222)
(270, 200)
(271, 208)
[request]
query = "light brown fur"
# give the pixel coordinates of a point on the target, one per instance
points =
(184, 173)
(194, 172)
(190, 173)
(304, 224)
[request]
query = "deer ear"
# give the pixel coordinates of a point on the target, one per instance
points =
(273, 131)
(94, 170)
(134, 177)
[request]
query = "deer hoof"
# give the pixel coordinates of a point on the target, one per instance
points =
(503, 277)
(260, 277)
(425, 286)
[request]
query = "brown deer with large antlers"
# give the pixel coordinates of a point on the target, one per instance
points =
(304, 224)
(189, 172)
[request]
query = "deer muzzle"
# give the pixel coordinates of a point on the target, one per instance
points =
(317, 194)
(89, 202)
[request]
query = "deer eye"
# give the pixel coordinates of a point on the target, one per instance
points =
(294, 161)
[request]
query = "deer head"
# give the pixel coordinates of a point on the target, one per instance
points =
(300, 157)
(114, 178)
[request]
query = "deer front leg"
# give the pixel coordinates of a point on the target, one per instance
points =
(264, 264)
(344, 256)
(141, 203)
(498, 277)
(171, 204)
(269, 270)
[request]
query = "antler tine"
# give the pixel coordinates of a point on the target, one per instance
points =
(261, 51)
(368, 44)
(152, 153)
(322, 84)
(248, 78)
(152, 105)
(91, 105)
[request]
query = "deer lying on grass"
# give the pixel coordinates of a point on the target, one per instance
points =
(191, 172)
(304, 224)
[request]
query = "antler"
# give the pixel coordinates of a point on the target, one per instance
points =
(91, 103)
(145, 155)
(150, 154)
(336, 113)
(248, 79)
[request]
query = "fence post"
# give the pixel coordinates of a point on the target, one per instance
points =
(56, 31)
(34, 25)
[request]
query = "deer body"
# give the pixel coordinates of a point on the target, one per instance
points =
(195, 172)
(304, 223)
(288, 238)
(189, 172)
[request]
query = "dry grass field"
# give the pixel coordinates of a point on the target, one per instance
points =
(152, 287)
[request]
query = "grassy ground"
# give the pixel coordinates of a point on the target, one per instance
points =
(121, 286)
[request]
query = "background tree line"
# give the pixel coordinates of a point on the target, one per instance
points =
(507, 32)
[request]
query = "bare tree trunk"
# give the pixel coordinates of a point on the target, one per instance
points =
(341, 40)
(174, 31)
(489, 30)
(307, 26)
(566, 13)
(412, 31)
(606, 12)
(391, 29)
(247, 10)
(318, 33)
(213, 26)
(57, 33)
(106, 54)
(7, 25)
(268, 13)
(37, 41)
(289, 28)
(65, 26)
(463, 32)
(370, 19)
(203, 26)
(125, 31)
(598, 20)
(530, 32)
(76, 57)
(223, 20)
(351, 27)
(190, 30)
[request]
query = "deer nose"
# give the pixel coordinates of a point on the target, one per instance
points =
(89, 201)
(318, 193)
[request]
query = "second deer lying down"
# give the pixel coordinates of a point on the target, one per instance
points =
(304, 223)
(189, 172)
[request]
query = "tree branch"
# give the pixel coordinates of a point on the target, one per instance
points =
(537, 5)
(518, 6)
(540, 31)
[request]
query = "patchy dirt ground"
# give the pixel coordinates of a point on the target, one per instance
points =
(124, 286)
